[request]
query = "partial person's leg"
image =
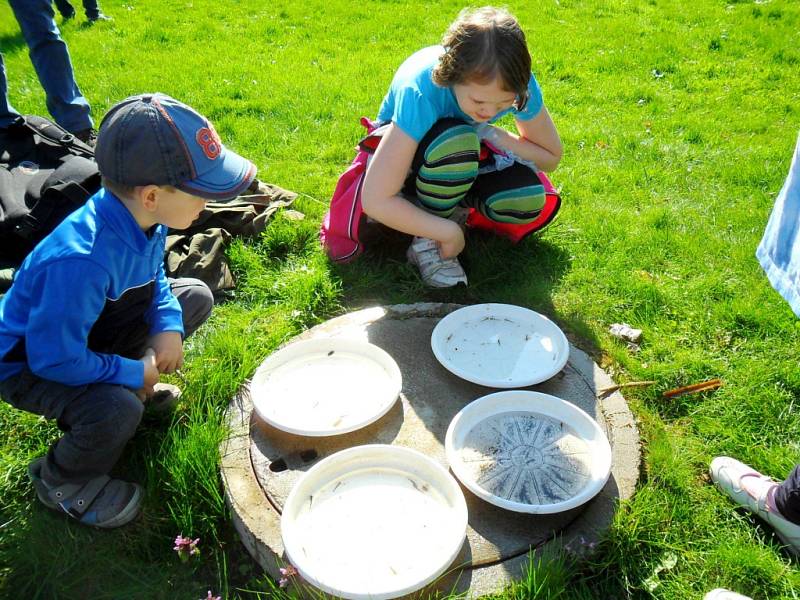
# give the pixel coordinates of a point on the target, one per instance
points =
(98, 420)
(514, 195)
(758, 493)
(7, 112)
(50, 58)
(513, 202)
(92, 9)
(445, 166)
(787, 497)
(65, 8)
(442, 172)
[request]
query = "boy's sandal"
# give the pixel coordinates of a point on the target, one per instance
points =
(100, 502)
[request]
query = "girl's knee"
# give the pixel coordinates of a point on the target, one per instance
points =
(514, 195)
(451, 141)
(447, 165)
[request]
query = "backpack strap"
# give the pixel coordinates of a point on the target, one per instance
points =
(375, 133)
(56, 134)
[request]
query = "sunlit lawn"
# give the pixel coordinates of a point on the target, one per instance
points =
(678, 120)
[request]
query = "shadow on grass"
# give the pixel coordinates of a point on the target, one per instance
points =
(10, 43)
(524, 274)
(49, 557)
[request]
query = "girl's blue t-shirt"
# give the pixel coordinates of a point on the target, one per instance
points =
(414, 102)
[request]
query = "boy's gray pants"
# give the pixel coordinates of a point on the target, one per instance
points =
(99, 418)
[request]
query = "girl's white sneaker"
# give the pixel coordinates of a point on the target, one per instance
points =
(435, 271)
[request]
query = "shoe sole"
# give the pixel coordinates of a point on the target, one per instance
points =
(128, 514)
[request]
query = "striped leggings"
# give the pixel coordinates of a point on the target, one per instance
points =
(444, 174)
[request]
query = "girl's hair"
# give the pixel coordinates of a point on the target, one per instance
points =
(483, 44)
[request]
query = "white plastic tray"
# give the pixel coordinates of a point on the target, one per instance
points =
(325, 386)
(374, 521)
(528, 452)
(500, 345)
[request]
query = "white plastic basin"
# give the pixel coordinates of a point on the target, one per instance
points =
(374, 521)
(528, 452)
(325, 386)
(500, 345)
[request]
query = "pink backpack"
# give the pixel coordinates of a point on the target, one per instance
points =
(339, 231)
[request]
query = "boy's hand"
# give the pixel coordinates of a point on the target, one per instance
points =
(451, 245)
(168, 347)
(151, 373)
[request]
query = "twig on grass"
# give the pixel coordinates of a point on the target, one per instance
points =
(695, 388)
(613, 388)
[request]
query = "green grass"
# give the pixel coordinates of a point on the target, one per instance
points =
(678, 121)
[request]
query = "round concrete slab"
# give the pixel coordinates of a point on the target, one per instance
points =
(260, 464)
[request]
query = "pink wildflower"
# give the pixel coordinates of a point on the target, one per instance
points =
(210, 597)
(287, 572)
(186, 547)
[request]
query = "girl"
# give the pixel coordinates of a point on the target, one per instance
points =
(440, 105)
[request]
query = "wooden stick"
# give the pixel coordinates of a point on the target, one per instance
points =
(618, 386)
(703, 386)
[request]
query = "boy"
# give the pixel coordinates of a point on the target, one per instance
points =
(91, 320)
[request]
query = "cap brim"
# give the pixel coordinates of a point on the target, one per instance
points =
(231, 175)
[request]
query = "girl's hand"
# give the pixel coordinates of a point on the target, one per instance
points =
(490, 133)
(451, 245)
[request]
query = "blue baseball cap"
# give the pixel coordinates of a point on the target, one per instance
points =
(153, 139)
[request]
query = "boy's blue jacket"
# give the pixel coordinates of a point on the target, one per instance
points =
(62, 315)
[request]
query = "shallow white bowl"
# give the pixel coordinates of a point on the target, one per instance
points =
(528, 452)
(325, 386)
(500, 345)
(374, 521)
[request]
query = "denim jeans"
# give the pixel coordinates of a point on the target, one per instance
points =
(7, 112)
(99, 418)
(50, 58)
(787, 497)
(89, 6)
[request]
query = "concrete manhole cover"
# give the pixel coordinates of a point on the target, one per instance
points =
(261, 464)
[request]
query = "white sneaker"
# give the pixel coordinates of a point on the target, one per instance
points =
(727, 473)
(723, 594)
(435, 271)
